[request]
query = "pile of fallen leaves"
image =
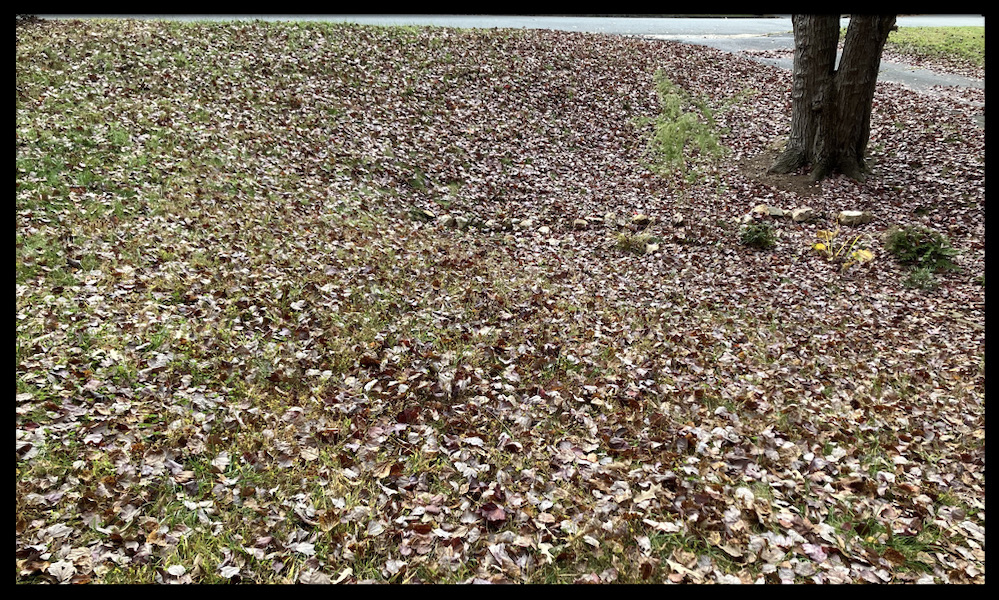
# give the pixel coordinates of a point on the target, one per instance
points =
(252, 344)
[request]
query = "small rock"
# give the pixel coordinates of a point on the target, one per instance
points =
(525, 224)
(492, 225)
(766, 209)
(545, 230)
(422, 214)
(461, 222)
(802, 213)
(610, 219)
(446, 220)
(677, 220)
(651, 247)
(580, 224)
(853, 217)
(641, 221)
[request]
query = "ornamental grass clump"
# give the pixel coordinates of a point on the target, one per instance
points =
(848, 250)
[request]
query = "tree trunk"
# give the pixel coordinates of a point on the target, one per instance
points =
(830, 107)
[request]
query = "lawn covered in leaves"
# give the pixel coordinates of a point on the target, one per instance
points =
(309, 303)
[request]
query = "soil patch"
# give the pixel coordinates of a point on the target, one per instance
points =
(756, 168)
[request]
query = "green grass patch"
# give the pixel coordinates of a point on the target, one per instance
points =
(965, 44)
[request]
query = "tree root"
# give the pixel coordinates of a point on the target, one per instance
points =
(790, 160)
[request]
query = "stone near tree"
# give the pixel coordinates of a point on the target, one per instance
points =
(853, 217)
(803, 213)
(641, 221)
(767, 210)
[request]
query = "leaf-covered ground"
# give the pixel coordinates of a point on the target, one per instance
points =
(306, 303)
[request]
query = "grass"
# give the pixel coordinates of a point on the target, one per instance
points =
(955, 45)
(964, 44)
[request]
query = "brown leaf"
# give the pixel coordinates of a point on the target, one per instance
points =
(492, 512)
(894, 556)
(408, 415)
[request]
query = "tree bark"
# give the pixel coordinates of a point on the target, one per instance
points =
(815, 39)
(830, 107)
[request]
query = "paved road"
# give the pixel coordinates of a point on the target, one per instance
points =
(731, 35)
(783, 39)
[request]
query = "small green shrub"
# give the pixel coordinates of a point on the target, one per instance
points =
(680, 135)
(921, 278)
(757, 235)
(920, 247)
